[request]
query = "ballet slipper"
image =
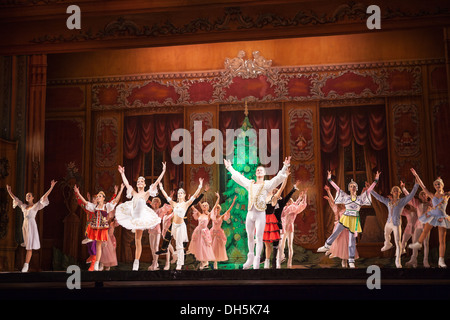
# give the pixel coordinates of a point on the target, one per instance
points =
(412, 263)
(249, 261)
(90, 259)
(91, 268)
(25, 267)
(324, 248)
(441, 263)
(387, 246)
(398, 263)
(256, 262)
(416, 245)
(136, 265)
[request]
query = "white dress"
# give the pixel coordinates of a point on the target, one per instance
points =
(135, 214)
(29, 226)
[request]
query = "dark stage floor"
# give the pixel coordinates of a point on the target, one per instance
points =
(231, 285)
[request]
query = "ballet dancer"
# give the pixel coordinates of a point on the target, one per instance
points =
(434, 217)
(395, 206)
(219, 239)
(272, 231)
(256, 215)
(168, 232)
(339, 248)
(99, 224)
(30, 231)
(135, 215)
(167, 217)
(90, 244)
(350, 218)
(179, 230)
(290, 212)
(421, 206)
(154, 234)
(201, 241)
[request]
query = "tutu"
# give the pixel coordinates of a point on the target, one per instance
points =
(436, 216)
(351, 223)
(97, 234)
(136, 215)
(271, 230)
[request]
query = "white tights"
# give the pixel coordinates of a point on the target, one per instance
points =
(255, 224)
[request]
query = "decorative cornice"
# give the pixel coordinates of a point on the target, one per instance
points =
(232, 19)
(217, 73)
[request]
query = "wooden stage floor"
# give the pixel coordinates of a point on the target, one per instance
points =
(230, 285)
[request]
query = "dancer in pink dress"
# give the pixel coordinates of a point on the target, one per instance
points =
(109, 256)
(219, 239)
(339, 248)
(201, 241)
(29, 227)
(421, 206)
(288, 216)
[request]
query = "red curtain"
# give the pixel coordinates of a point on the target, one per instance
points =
(141, 134)
(367, 125)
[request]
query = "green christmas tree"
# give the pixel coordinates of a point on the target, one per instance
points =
(234, 228)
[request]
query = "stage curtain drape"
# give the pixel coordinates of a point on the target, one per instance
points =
(141, 134)
(367, 126)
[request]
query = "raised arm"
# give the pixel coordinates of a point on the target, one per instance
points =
(283, 185)
(380, 198)
(420, 182)
(410, 196)
(125, 181)
(197, 192)
(8, 188)
(335, 186)
(119, 195)
(281, 175)
(168, 199)
(156, 183)
(236, 176)
(227, 213)
(218, 200)
(52, 185)
(79, 196)
(374, 183)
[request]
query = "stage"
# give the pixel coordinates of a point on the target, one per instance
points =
(231, 285)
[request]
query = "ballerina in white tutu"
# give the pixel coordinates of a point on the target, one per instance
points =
(135, 215)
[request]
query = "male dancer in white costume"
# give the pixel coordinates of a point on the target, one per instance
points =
(256, 215)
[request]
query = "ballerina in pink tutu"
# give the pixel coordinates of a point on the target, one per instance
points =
(201, 242)
(339, 248)
(219, 239)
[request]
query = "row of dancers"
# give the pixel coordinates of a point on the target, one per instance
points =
(269, 220)
(422, 215)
